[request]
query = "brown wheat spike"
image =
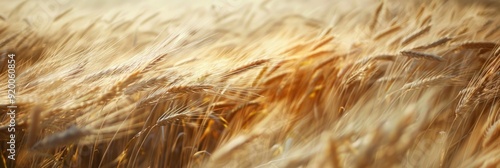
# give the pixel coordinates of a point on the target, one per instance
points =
(420, 12)
(426, 20)
(322, 43)
(87, 30)
(162, 121)
(467, 90)
(478, 45)
(426, 82)
(382, 57)
(222, 105)
(439, 42)
(68, 136)
(244, 68)
(187, 88)
(17, 8)
(388, 79)
(260, 75)
(333, 59)
(242, 106)
(155, 61)
(134, 76)
(376, 15)
(112, 92)
(149, 18)
(492, 134)
(139, 86)
(462, 30)
(123, 25)
(62, 14)
(414, 54)
(387, 32)
(414, 36)
(111, 71)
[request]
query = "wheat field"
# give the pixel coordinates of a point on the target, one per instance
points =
(255, 83)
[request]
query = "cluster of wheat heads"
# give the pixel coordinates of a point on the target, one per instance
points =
(261, 84)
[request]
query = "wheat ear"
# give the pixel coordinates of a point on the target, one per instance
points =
(414, 54)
